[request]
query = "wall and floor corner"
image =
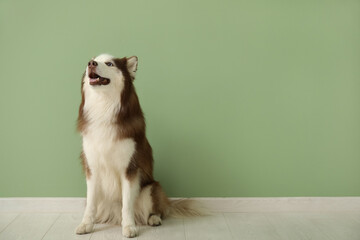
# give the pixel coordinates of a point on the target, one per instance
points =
(242, 99)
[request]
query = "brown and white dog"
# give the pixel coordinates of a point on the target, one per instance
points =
(117, 157)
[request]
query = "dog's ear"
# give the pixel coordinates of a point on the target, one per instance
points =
(132, 63)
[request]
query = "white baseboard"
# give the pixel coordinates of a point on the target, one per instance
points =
(283, 204)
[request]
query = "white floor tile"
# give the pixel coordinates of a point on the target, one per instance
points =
(29, 226)
(250, 226)
(171, 228)
(64, 228)
(335, 225)
(294, 226)
(108, 232)
(209, 227)
(6, 219)
(222, 226)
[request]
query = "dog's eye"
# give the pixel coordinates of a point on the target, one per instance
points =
(110, 64)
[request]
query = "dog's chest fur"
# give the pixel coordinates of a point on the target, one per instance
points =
(104, 150)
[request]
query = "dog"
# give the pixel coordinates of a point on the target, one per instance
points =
(116, 156)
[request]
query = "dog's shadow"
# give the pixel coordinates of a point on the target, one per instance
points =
(143, 230)
(104, 227)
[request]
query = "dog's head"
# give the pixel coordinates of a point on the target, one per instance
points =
(105, 72)
(107, 85)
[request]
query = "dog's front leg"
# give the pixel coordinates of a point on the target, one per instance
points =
(130, 191)
(87, 224)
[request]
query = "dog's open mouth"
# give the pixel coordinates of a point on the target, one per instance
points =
(95, 79)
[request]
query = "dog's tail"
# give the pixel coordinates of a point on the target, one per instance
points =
(187, 208)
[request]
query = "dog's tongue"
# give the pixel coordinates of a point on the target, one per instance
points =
(94, 81)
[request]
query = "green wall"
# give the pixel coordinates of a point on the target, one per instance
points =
(242, 98)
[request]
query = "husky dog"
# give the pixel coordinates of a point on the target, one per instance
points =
(117, 157)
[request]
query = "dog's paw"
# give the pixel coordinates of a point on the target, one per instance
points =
(154, 220)
(129, 231)
(84, 228)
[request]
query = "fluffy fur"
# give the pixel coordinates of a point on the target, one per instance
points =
(117, 157)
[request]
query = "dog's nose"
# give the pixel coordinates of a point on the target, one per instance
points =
(92, 64)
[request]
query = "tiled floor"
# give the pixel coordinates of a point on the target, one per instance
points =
(222, 226)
